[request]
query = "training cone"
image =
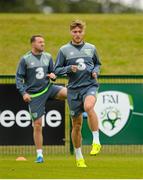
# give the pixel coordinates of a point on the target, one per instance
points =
(21, 158)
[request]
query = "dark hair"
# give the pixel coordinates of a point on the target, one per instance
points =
(33, 38)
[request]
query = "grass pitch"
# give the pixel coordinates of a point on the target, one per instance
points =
(118, 38)
(59, 166)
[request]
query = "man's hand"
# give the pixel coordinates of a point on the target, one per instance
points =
(26, 97)
(94, 75)
(52, 76)
(74, 68)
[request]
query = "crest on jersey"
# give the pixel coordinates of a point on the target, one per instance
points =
(113, 109)
(88, 52)
(46, 61)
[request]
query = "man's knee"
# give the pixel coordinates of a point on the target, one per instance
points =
(89, 103)
(37, 125)
(62, 94)
(89, 107)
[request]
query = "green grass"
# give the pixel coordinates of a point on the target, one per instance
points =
(118, 38)
(102, 166)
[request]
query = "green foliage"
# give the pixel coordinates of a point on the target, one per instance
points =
(85, 7)
(63, 166)
(18, 6)
(60, 6)
(118, 39)
(88, 6)
(65, 6)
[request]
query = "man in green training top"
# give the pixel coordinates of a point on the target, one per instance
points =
(79, 60)
(33, 82)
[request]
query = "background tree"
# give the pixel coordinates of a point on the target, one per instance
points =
(18, 6)
(68, 6)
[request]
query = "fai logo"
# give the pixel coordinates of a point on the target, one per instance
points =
(45, 61)
(88, 52)
(113, 109)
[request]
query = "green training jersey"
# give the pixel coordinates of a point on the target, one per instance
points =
(31, 75)
(85, 57)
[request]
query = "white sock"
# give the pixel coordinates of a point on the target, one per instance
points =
(39, 152)
(95, 137)
(78, 153)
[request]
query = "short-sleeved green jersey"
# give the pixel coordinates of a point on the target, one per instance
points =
(85, 57)
(31, 75)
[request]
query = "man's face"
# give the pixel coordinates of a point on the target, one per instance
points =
(77, 35)
(39, 44)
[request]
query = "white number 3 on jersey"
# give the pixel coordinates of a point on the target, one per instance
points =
(81, 65)
(39, 73)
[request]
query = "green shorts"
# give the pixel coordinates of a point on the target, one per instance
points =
(38, 102)
(76, 99)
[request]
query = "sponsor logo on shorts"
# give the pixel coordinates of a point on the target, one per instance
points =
(34, 115)
(92, 92)
(72, 113)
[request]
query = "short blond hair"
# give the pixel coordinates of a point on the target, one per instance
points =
(77, 23)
